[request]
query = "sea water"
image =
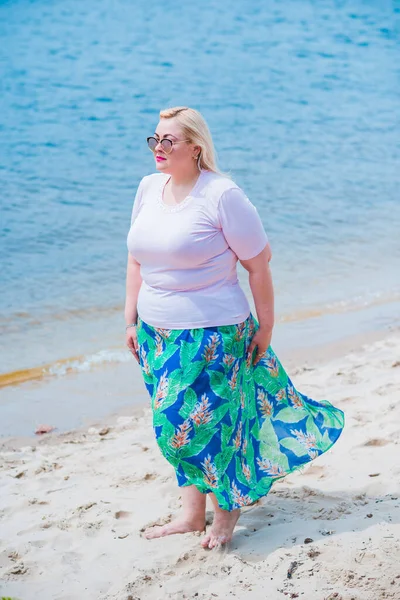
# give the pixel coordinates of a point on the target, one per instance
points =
(302, 99)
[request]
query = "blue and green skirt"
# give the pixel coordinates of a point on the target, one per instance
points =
(227, 426)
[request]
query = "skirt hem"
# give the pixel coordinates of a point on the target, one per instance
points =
(207, 490)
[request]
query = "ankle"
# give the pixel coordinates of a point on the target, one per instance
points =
(226, 514)
(191, 517)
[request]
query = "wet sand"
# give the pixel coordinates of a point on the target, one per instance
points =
(109, 382)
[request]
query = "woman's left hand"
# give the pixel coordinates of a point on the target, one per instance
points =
(261, 339)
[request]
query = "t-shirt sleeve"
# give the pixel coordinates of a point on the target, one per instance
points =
(137, 203)
(241, 224)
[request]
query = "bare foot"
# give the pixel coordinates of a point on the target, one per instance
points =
(180, 525)
(221, 529)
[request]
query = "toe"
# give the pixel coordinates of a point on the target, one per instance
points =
(205, 541)
(220, 541)
(225, 539)
(154, 532)
(148, 534)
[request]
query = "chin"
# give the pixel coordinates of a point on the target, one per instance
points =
(161, 166)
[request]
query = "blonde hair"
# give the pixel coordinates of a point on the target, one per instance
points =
(195, 129)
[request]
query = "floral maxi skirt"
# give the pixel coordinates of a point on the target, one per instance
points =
(225, 425)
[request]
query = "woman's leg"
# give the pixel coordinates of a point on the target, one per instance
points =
(193, 516)
(223, 525)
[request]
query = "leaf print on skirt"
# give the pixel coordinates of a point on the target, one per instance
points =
(225, 425)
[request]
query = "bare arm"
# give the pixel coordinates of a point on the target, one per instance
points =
(260, 280)
(133, 283)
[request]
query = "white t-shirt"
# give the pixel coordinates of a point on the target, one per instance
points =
(188, 252)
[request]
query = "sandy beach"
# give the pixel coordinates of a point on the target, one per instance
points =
(73, 506)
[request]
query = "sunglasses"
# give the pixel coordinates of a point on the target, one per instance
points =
(166, 144)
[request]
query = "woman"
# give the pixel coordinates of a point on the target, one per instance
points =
(225, 414)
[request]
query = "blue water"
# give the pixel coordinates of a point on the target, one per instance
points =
(302, 99)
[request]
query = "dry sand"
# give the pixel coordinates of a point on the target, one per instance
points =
(73, 505)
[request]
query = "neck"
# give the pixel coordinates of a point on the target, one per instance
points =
(184, 178)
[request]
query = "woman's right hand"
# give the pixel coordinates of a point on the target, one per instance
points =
(132, 343)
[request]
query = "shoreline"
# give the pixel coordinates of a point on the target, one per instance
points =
(73, 506)
(90, 350)
(296, 361)
(81, 399)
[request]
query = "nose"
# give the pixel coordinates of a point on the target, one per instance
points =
(159, 146)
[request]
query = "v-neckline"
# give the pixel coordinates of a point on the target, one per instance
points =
(180, 205)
